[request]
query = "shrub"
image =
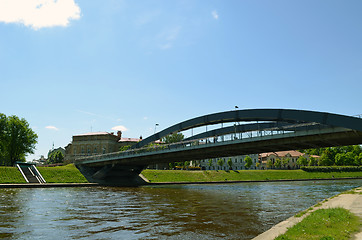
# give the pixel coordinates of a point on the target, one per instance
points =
(333, 169)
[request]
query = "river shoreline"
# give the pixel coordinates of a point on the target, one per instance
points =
(53, 185)
(349, 201)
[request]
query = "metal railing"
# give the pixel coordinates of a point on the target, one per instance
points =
(193, 143)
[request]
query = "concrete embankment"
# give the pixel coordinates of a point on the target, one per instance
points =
(349, 201)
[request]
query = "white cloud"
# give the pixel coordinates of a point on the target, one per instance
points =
(39, 13)
(168, 37)
(119, 128)
(52, 128)
(215, 15)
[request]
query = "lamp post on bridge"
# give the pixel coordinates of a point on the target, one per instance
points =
(236, 107)
(155, 128)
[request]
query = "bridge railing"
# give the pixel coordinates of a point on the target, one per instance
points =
(191, 143)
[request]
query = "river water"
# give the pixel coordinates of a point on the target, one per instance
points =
(221, 211)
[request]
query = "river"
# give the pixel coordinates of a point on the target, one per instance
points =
(220, 211)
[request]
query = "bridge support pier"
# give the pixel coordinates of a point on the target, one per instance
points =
(113, 175)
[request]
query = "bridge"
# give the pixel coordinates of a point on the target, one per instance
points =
(250, 131)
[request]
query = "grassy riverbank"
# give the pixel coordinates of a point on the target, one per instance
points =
(70, 174)
(245, 175)
(61, 174)
(332, 223)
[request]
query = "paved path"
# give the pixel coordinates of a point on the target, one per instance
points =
(352, 202)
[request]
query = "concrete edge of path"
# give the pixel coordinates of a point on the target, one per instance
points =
(351, 202)
(48, 185)
(248, 181)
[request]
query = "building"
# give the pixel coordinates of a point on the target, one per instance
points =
(62, 150)
(289, 157)
(237, 163)
(96, 143)
(41, 161)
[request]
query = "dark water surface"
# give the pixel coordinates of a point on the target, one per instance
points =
(222, 211)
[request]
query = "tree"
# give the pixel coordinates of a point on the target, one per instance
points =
(124, 148)
(210, 163)
(56, 157)
(349, 159)
(278, 163)
(312, 161)
(285, 162)
(17, 139)
(325, 159)
(248, 162)
(173, 138)
(302, 161)
(230, 163)
(269, 164)
(339, 159)
(220, 162)
(2, 139)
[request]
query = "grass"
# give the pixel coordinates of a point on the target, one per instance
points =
(11, 175)
(324, 224)
(62, 174)
(70, 174)
(244, 175)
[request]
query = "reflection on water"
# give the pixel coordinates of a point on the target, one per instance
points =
(232, 211)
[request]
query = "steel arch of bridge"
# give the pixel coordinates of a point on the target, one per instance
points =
(280, 117)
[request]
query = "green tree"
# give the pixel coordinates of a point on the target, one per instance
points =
(326, 159)
(124, 148)
(56, 157)
(248, 162)
(269, 164)
(349, 160)
(2, 138)
(210, 163)
(278, 163)
(302, 161)
(230, 163)
(17, 139)
(220, 162)
(339, 159)
(285, 162)
(312, 161)
(172, 165)
(173, 138)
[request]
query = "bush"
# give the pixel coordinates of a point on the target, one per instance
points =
(333, 169)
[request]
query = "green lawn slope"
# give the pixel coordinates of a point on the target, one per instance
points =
(244, 175)
(70, 174)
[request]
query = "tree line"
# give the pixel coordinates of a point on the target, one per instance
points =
(17, 139)
(335, 156)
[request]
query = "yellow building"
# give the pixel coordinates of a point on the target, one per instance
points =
(96, 143)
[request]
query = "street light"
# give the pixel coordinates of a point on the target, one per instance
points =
(155, 128)
(236, 107)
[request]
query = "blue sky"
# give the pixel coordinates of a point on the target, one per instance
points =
(69, 67)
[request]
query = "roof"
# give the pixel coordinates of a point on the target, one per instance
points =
(129, 140)
(292, 153)
(93, 134)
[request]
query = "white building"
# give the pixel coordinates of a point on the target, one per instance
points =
(237, 163)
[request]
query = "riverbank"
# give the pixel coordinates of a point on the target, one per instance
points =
(182, 176)
(70, 174)
(60, 174)
(350, 200)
